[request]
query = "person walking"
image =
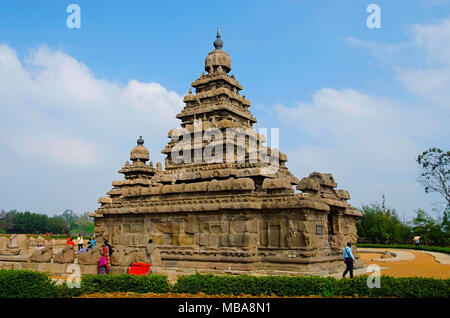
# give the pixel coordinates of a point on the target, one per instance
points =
(102, 262)
(80, 242)
(348, 259)
(107, 252)
(417, 242)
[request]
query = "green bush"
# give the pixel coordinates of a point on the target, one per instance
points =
(313, 285)
(125, 283)
(26, 284)
(422, 247)
(117, 283)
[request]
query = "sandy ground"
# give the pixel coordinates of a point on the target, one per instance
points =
(424, 265)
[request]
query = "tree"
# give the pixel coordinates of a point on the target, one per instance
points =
(379, 224)
(435, 174)
(69, 216)
(431, 231)
(82, 224)
(57, 224)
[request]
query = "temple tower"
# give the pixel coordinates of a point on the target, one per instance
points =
(224, 202)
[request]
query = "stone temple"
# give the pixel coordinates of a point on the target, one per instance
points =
(236, 215)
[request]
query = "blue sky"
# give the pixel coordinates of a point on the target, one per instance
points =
(357, 102)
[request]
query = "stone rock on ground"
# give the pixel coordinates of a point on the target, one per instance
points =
(3, 243)
(42, 256)
(388, 254)
(17, 241)
(67, 255)
(90, 257)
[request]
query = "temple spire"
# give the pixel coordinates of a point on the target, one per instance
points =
(218, 42)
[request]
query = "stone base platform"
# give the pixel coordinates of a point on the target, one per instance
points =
(51, 268)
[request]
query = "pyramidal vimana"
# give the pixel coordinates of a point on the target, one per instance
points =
(223, 203)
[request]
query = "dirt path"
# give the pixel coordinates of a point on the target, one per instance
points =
(424, 265)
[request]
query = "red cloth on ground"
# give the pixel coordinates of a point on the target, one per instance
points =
(139, 268)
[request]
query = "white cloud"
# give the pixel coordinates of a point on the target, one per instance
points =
(64, 132)
(435, 40)
(421, 64)
(358, 131)
(66, 151)
(432, 85)
(386, 53)
(370, 142)
(51, 104)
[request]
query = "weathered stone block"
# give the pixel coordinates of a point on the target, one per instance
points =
(218, 226)
(3, 242)
(238, 226)
(237, 240)
(223, 239)
(251, 226)
(280, 183)
(17, 241)
(203, 239)
(191, 228)
(67, 255)
(32, 266)
(52, 268)
(186, 240)
(88, 269)
(157, 239)
(204, 227)
(343, 194)
(319, 229)
(42, 256)
(143, 238)
(90, 257)
(308, 185)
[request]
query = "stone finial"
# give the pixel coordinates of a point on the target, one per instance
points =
(158, 167)
(218, 44)
(140, 141)
(190, 91)
(217, 57)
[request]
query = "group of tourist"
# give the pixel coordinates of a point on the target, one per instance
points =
(104, 263)
(80, 243)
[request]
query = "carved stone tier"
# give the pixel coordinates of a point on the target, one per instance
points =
(234, 216)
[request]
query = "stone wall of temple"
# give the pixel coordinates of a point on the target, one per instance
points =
(295, 241)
